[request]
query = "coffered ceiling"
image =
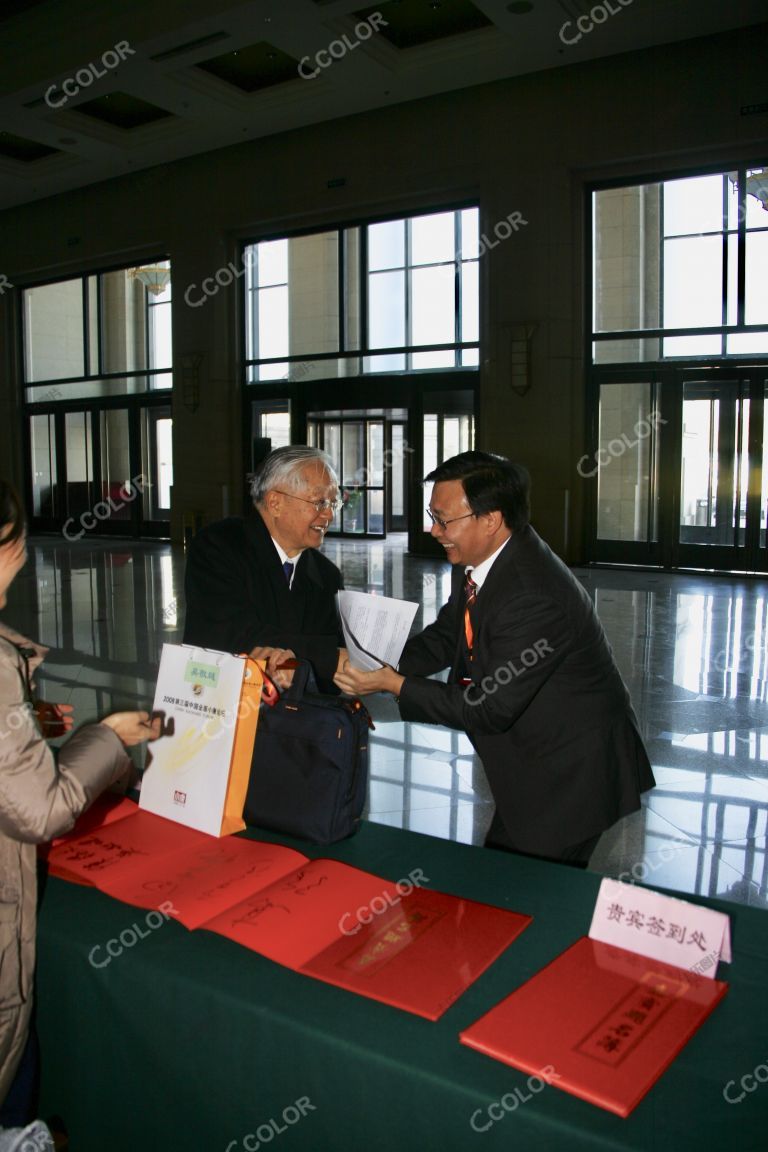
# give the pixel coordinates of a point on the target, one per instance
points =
(93, 89)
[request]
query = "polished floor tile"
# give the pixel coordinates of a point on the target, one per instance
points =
(692, 649)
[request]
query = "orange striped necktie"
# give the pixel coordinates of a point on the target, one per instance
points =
(470, 592)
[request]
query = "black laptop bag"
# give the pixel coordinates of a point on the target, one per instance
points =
(309, 774)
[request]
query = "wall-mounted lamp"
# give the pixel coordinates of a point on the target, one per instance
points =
(190, 380)
(154, 278)
(757, 186)
(521, 339)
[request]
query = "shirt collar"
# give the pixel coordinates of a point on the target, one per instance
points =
(480, 572)
(285, 557)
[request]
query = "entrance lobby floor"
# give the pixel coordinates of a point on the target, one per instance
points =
(693, 651)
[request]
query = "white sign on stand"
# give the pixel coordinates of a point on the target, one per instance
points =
(662, 927)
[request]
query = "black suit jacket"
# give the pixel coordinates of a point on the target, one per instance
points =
(237, 596)
(548, 711)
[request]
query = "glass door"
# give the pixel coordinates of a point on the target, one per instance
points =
(43, 471)
(101, 470)
(156, 471)
(356, 447)
(624, 470)
(79, 487)
(448, 427)
(714, 475)
(761, 450)
(397, 489)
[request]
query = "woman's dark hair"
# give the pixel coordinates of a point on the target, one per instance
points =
(491, 484)
(11, 514)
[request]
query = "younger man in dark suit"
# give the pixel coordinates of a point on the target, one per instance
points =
(533, 681)
(260, 585)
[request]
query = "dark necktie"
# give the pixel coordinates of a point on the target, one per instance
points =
(288, 569)
(470, 592)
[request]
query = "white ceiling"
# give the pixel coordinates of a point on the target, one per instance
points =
(44, 42)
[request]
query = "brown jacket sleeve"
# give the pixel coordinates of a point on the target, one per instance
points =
(39, 797)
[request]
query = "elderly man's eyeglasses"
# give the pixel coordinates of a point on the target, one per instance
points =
(444, 523)
(318, 505)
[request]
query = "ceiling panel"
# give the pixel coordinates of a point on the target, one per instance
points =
(192, 76)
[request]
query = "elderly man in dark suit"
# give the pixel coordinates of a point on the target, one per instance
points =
(260, 585)
(533, 681)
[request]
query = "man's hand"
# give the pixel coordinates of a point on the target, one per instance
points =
(274, 658)
(357, 683)
(134, 727)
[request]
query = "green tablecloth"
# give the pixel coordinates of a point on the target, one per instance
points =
(187, 1040)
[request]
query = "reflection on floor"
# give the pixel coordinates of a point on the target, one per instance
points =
(692, 649)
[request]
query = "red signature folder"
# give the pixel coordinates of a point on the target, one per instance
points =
(412, 948)
(608, 1022)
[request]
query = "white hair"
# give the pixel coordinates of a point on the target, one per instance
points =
(283, 468)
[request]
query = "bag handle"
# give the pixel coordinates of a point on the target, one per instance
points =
(303, 681)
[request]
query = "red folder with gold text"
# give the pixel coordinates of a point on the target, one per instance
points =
(404, 945)
(603, 1022)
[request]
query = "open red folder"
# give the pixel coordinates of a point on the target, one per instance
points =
(598, 1021)
(404, 945)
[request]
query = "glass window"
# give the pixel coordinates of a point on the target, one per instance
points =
(53, 331)
(386, 245)
(386, 309)
(433, 238)
(160, 331)
(418, 275)
(109, 323)
(671, 257)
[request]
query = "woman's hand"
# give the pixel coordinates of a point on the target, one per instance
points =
(134, 727)
(357, 683)
(54, 719)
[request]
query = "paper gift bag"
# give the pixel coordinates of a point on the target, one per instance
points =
(198, 774)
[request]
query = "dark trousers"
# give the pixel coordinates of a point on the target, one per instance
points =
(576, 855)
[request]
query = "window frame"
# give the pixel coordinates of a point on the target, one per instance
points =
(364, 352)
(91, 373)
(595, 337)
